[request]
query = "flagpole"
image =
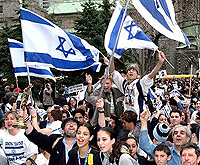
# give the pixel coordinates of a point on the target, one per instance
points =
(20, 3)
(29, 83)
(16, 80)
(111, 58)
(168, 61)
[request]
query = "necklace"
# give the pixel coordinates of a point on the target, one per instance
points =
(86, 157)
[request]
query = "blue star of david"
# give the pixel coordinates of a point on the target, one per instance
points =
(61, 47)
(129, 29)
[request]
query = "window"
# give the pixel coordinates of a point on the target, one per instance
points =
(45, 4)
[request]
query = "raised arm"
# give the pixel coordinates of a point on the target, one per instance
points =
(145, 141)
(33, 113)
(101, 119)
(161, 57)
(89, 81)
(112, 66)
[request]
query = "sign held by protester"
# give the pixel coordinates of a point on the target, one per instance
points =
(76, 88)
(162, 74)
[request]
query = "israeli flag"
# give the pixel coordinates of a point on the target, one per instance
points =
(152, 94)
(19, 65)
(131, 35)
(161, 16)
(46, 43)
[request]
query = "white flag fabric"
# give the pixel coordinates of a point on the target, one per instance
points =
(131, 35)
(19, 65)
(46, 43)
(161, 16)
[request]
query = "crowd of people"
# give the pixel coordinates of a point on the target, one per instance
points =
(143, 121)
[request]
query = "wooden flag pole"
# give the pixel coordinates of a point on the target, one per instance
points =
(16, 80)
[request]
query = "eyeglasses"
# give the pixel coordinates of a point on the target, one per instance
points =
(69, 124)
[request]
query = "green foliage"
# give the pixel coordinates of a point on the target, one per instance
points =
(92, 24)
(8, 31)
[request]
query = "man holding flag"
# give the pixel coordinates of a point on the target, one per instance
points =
(134, 89)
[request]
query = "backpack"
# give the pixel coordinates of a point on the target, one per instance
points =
(142, 99)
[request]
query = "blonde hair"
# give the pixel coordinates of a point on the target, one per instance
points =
(109, 77)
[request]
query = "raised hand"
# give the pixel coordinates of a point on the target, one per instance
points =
(144, 115)
(106, 60)
(88, 78)
(100, 104)
(161, 56)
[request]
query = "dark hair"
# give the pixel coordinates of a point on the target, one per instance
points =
(162, 147)
(194, 127)
(81, 102)
(61, 91)
(132, 137)
(111, 132)
(176, 111)
(67, 112)
(67, 120)
(190, 145)
(88, 126)
(82, 112)
(129, 116)
(161, 115)
(166, 93)
(69, 103)
(197, 132)
(116, 151)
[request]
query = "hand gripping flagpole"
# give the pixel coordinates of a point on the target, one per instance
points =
(110, 61)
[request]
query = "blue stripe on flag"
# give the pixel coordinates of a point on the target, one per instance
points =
(186, 39)
(58, 63)
(26, 15)
(33, 70)
(15, 45)
(114, 33)
(165, 8)
(151, 7)
(77, 43)
(141, 36)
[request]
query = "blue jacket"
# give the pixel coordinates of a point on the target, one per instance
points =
(148, 147)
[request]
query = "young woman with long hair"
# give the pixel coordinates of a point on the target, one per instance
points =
(84, 153)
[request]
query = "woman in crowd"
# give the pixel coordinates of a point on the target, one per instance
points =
(72, 104)
(113, 152)
(135, 151)
(83, 153)
(17, 147)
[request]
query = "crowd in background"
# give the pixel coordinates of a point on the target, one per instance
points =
(139, 122)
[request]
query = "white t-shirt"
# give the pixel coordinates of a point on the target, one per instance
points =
(17, 148)
(131, 89)
(56, 127)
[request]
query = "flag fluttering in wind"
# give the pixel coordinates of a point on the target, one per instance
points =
(19, 65)
(48, 44)
(161, 16)
(131, 35)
